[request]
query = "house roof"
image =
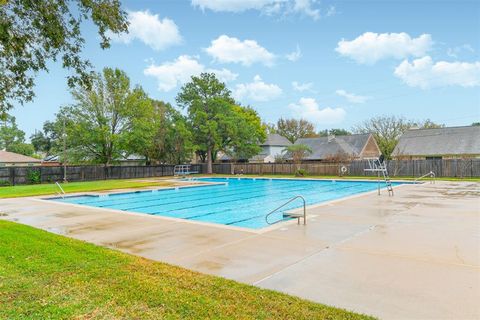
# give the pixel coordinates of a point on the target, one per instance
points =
(275, 139)
(441, 141)
(11, 157)
(324, 147)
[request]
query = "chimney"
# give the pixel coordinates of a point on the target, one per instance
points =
(330, 137)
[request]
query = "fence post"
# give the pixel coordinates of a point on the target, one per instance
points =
(471, 168)
(12, 175)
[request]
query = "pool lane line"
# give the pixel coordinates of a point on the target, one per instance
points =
(149, 194)
(279, 191)
(247, 205)
(198, 196)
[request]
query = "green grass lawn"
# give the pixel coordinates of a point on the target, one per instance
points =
(46, 276)
(45, 189)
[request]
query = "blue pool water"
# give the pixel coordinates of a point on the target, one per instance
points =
(237, 202)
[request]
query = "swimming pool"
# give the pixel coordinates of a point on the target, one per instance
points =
(241, 202)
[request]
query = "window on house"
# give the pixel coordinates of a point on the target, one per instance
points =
(434, 158)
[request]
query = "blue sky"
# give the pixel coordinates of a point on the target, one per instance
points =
(334, 63)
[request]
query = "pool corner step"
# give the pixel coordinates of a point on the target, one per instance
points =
(293, 214)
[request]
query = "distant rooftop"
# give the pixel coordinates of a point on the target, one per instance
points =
(324, 147)
(275, 139)
(11, 157)
(441, 141)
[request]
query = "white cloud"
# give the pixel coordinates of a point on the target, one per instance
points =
(351, 97)
(227, 49)
(308, 108)
(224, 75)
(151, 30)
(295, 55)
(425, 73)
(171, 74)
(455, 51)
(233, 5)
(305, 6)
(331, 11)
(257, 90)
(269, 7)
(302, 86)
(370, 47)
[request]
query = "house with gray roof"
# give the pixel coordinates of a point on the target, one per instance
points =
(441, 143)
(273, 147)
(335, 148)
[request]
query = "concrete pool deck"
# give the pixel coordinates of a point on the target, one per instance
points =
(414, 255)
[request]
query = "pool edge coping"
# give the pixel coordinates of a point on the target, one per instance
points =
(275, 226)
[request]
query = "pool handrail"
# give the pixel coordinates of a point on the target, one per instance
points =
(182, 170)
(62, 192)
(283, 205)
(431, 174)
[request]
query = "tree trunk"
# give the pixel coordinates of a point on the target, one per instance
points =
(209, 160)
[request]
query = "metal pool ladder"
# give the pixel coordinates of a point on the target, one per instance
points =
(431, 174)
(62, 192)
(292, 215)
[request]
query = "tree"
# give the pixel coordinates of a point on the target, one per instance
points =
(298, 152)
(293, 129)
(179, 140)
(99, 122)
(429, 124)
(208, 104)
(248, 132)
(12, 138)
(49, 140)
(386, 130)
(32, 33)
(10, 134)
(270, 127)
(162, 136)
(22, 148)
(335, 132)
(476, 124)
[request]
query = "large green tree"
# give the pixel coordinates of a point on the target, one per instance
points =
(161, 135)
(216, 122)
(294, 129)
(208, 103)
(10, 134)
(100, 120)
(35, 32)
(246, 135)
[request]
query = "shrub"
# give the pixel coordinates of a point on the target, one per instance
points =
(300, 173)
(5, 183)
(33, 176)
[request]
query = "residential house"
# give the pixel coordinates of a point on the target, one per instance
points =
(441, 143)
(10, 159)
(341, 148)
(272, 148)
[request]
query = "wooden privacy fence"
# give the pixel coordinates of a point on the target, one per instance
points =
(461, 168)
(23, 175)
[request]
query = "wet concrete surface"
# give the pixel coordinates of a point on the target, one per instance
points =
(412, 256)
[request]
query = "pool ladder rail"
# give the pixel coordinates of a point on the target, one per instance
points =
(431, 174)
(290, 214)
(61, 192)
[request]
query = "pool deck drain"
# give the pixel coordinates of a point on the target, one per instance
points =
(414, 255)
